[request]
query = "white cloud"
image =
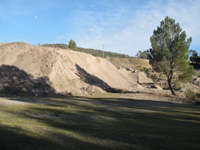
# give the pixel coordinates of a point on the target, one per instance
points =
(35, 17)
(124, 30)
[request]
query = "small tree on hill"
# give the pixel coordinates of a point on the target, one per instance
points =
(193, 53)
(72, 45)
(143, 55)
(169, 54)
(195, 59)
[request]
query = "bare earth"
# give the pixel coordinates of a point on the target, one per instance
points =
(70, 71)
(67, 70)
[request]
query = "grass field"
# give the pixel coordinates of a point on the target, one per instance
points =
(91, 123)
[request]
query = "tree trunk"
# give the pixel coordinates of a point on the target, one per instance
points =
(170, 87)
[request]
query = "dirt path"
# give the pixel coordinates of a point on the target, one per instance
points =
(20, 101)
(91, 99)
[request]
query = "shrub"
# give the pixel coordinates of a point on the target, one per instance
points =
(190, 95)
(177, 86)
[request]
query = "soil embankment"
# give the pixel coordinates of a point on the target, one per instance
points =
(66, 70)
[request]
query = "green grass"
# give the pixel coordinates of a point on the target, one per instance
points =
(98, 123)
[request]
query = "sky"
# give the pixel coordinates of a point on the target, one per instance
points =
(122, 26)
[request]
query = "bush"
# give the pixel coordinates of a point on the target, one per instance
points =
(177, 86)
(190, 95)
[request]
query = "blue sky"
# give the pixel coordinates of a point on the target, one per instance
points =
(122, 26)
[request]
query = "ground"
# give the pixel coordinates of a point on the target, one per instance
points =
(105, 122)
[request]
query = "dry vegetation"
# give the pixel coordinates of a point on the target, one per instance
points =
(135, 63)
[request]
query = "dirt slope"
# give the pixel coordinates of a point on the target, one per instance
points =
(67, 70)
(129, 62)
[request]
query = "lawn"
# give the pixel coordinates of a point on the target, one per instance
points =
(96, 123)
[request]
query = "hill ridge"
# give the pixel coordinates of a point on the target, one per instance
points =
(94, 52)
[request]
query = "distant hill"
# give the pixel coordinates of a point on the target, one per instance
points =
(94, 52)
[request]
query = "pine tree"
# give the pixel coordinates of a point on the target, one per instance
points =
(170, 52)
(72, 45)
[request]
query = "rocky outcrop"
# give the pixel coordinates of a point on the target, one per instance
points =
(138, 77)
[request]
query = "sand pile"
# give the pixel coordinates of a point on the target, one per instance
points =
(14, 81)
(66, 70)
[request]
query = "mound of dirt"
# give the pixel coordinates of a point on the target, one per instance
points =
(14, 81)
(137, 77)
(2, 43)
(66, 70)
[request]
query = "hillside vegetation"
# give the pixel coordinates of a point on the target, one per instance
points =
(130, 62)
(94, 52)
(117, 59)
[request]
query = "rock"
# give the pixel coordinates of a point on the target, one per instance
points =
(158, 87)
(143, 79)
(196, 81)
(94, 90)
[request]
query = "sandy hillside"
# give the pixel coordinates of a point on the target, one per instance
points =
(67, 70)
(129, 62)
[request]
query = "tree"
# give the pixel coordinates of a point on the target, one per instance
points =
(72, 45)
(193, 56)
(195, 59)
(143, 55)
(193, 53)
(169, 53)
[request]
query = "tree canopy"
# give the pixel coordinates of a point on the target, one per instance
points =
(170, 52)
(72, 45)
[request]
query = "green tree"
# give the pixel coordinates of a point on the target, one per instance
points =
(143, 55)
(195, 59)
(72, 45)
(169, 53)
(193, 53)
(194, 56)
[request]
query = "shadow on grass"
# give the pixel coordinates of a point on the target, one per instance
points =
(14, 138)
(113, 123)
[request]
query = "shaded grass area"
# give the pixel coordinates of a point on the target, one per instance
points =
(98, 123)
